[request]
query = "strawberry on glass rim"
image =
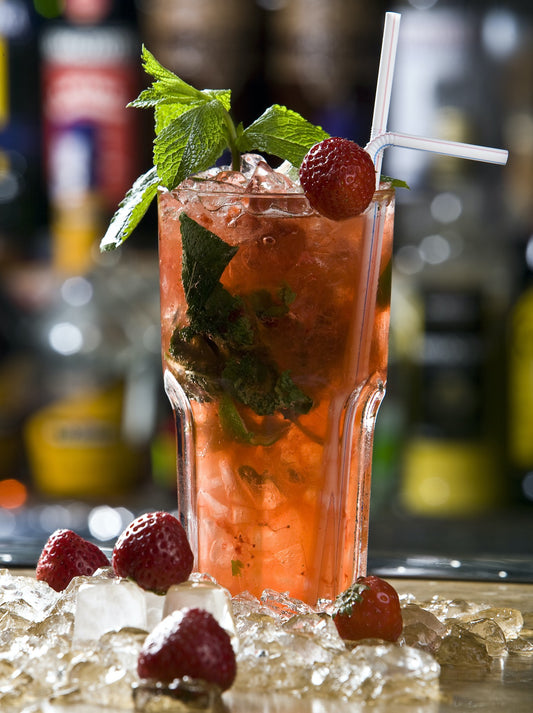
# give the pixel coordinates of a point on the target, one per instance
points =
(338, 178)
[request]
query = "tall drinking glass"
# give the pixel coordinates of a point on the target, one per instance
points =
(275, 397)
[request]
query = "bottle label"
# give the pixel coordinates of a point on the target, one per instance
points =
(90, 134)
(76, 447)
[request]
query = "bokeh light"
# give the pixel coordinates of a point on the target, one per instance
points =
(13, 493)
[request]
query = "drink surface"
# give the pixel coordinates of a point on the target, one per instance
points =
(275, 487)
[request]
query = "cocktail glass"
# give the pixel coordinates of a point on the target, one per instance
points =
(276, 496)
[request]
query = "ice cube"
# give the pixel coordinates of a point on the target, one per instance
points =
(421, 628)
(491, 634)
(111, 605)
(463, 648)
(25, 597)
(510, 621)
(265, 180)
(203, 595)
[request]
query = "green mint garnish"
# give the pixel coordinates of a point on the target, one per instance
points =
(205, 257)
(394, 182)
(267, 307)
(131, 210)
(193, 128)
(234, 425)
(220, 350)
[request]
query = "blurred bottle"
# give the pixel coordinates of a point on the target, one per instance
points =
(90, 73)
(520, 383)
(454, 457)
(96, 337)
(22, 203)
(449, 467)
(16, 369)
(208, 43)
(89, 438)
(97, 345)
(322, 61)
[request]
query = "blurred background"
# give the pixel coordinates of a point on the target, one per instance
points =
(85, 428)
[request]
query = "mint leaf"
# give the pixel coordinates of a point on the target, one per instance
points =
(266, 307)
(191, 143)
(199, 361)
(257, 383)
(170, 89)
(394, 182)
(283, 133)
(205, 257)
(131, 210)
(234, 425)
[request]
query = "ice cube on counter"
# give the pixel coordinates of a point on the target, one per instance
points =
(113, 604)
(203, 595)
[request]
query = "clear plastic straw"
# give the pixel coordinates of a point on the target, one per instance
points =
(387, 61)
(380, 138)
(447, 148)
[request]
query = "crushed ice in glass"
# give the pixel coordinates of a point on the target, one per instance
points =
(80, 646)
(263, 189)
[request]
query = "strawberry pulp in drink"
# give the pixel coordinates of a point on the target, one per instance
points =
(274, 335)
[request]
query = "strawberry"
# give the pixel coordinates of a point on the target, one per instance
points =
(153, 551)
(188, 642)
(368, 609)
(66, 555)
(338, 178)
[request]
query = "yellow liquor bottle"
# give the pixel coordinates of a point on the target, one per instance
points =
(89, 437)
(520, 392)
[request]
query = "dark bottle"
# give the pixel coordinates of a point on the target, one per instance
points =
(449, 464)
(22, 200)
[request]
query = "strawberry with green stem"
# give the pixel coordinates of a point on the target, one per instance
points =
(369, 609)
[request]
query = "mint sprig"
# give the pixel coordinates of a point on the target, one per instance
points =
(193, 128)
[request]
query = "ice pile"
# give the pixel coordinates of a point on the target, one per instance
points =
(41, 660)
(461, 633)
(287, 646)
(81, 646)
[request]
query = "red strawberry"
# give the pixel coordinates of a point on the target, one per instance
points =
(338, 178)
(154, 551)
(188, 642)
(368, 609)
(67, 555)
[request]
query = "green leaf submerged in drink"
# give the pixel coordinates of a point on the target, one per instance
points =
(220, 352)
(193, 129)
